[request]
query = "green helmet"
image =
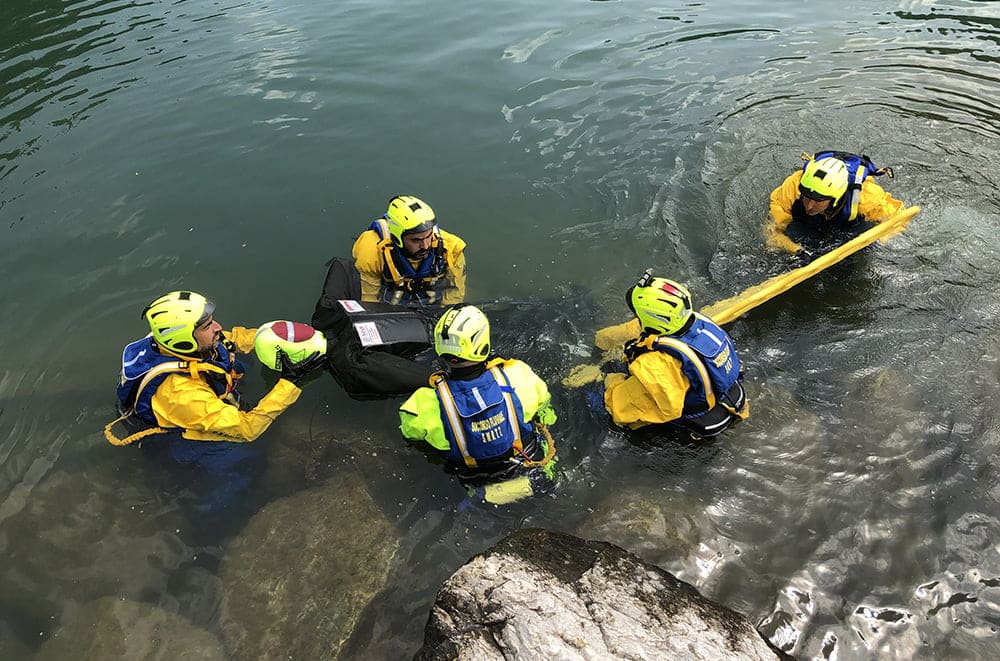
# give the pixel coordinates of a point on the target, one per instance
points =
(464, 333)
(662, 306)
(825, 179)
(173, 318)
(408, 214)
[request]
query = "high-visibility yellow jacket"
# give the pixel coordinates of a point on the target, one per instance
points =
(652, 393)
(190, 403)
(420, 416)
(369, 259)
(875, 205)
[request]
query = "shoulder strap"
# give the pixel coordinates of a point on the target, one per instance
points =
(447, 401)
(695, 358)
(508, 391)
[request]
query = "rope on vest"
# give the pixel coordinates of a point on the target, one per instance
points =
(128, 440)
(192, 368)
(550, 450)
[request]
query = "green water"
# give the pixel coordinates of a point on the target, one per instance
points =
(233, 148)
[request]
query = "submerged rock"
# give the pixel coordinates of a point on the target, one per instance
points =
(297, 579)
(659, 526)
(113, 628)
(73, 538)
(539, 594)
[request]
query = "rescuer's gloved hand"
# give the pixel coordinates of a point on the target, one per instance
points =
(546, 415)
(297, 372)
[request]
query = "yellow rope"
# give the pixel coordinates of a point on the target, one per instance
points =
(128, 440)
(550, 452)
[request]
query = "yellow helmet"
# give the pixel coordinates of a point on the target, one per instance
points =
(825, 179)
(408, 214)
(464, 333)
(173, 318)
(662, 306)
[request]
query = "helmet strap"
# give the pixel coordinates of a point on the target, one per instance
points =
(628, 298)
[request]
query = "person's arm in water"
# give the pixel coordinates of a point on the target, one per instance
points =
(876, 204)
(782, 199)
(191, 404)
(652, 393)
(455, 257)
(368, 261)
(420, 419)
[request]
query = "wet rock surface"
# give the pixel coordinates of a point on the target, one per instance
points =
(659, 526)
(112, 628)
(297, 579)
(540, 594)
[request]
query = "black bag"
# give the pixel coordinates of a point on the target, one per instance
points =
(343, 282)
(374, 350)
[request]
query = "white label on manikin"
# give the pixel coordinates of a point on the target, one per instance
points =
(368, 333)
(351, 306)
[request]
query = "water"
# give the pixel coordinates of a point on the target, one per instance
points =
(233, 148)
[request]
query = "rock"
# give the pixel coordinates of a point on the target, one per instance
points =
(74, 538)
(112, 628)
(539, 594)
(659, 526)
(297, 579)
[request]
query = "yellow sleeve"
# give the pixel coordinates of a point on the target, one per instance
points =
(368, 261)
(454, 248)
(190, 404)
(420, 419)
(242, 337)
(653, 393)
(531, 390)
(876, 204)
(782, 199)
(617, 335)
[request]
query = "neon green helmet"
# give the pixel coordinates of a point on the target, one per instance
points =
(173, 318)
(408, 214)
(825, 179)
(464, 333)
(662, 306)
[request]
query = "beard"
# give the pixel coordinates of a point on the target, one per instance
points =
(419, 254)
(212, 352)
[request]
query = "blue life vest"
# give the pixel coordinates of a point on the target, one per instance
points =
(859, 168)
(144, 369)
(709, 361)
(402, 284)
(482, 418)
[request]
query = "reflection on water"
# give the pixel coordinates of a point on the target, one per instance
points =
(234, 148)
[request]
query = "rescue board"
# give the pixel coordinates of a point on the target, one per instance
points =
(730, 309)
(727, 310)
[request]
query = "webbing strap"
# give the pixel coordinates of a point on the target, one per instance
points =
(855, 191)
(402, 282)
(696, 360)
(454, 420)
(193, 368)
(498, 374)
